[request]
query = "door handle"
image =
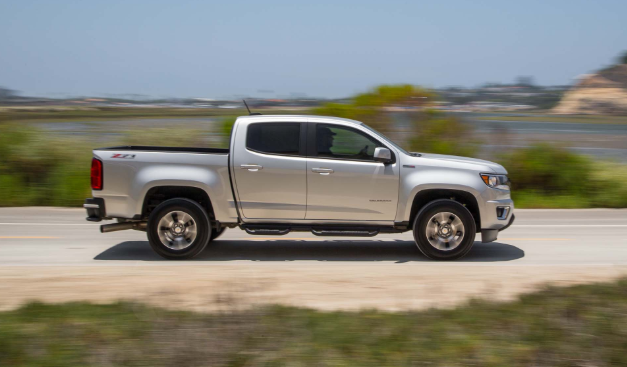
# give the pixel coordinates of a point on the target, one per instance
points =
(251, 167)
(322, 171)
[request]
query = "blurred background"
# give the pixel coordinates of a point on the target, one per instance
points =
(540, 88)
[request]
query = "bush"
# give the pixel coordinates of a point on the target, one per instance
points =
(549, 170)
(545, 176)
(226, 126)
(39, 170)
(609, 181)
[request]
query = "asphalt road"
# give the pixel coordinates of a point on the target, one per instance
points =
(54, 255)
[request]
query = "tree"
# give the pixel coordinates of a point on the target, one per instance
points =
(373, 107)
(623, 59)
(426, 130)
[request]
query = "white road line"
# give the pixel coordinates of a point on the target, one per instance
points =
(568, 225)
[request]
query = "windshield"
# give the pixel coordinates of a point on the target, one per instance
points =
(387, 140)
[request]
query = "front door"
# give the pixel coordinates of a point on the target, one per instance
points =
(343, 180)
(270, 171)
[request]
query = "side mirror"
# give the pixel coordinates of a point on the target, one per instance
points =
(382, 155)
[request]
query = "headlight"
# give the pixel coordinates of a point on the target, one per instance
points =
(500, 182)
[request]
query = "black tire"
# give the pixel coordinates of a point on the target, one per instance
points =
(200, 218)
(215, 233)
(423, 218)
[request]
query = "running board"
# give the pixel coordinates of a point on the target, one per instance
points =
(266, 231)
(272, 229)
(346, 233)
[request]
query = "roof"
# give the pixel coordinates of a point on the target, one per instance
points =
(286, 118)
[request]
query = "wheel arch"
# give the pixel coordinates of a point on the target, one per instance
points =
(158, 194)
(466, 198)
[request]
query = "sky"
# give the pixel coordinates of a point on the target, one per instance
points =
(322, 48)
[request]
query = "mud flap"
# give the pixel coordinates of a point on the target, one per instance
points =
(489, 235)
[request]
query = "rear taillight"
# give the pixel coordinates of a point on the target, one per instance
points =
(96, 174)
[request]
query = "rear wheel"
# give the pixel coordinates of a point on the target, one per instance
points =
(178, 229)
(444, 230)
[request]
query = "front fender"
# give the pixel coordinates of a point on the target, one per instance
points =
(415, 180)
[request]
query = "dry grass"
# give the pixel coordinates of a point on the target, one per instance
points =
(576, 326)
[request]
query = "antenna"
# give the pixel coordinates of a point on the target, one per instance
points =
(250, 113)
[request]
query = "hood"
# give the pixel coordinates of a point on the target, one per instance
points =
(474, 162)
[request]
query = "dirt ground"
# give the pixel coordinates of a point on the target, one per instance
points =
(327, 287)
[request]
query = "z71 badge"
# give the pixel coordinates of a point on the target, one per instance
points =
(123, 156)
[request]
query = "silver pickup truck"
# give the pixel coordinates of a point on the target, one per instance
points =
(325, 175)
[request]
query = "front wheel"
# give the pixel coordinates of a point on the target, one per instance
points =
(178, 229)
(444, 230)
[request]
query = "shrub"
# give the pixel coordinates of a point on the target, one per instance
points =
(609, 181)
(226, 126)
(38, 169)
(545, 176)
(549, 170)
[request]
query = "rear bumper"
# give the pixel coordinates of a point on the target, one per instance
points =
(95, 209)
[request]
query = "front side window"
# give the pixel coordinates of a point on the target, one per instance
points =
(342, 142)
(274, 138)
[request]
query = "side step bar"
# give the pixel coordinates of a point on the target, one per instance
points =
(267, 231)
(346, 233)
(328, 231)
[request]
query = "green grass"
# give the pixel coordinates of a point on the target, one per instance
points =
(536, 200)
(575, 326)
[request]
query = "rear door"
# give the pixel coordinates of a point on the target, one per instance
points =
(343, 180)
(269, 165)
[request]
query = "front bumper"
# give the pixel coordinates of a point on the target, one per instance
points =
(489, 235)
(95, 209)
(498, 215)
(492, 217)
(511, 220)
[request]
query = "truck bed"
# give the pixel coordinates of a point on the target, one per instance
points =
(130, 172)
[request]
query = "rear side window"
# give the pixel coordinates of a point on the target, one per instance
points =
(274, 138)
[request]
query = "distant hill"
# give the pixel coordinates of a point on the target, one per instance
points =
(602, 93)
